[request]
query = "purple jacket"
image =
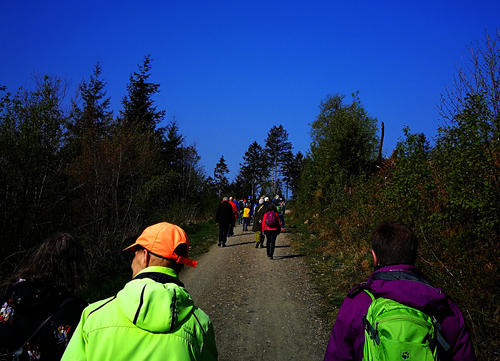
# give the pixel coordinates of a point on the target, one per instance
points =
(348, 336)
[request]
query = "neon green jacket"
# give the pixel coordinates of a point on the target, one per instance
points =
(147, 320)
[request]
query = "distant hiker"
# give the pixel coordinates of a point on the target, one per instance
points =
(246, 216)
(235, 215)
(224, 218)
(257, 223)
(39, 312)
(281, 212)
(266, 202)
(360, 333)
(241, 207)
(153, 317)
(271, 227)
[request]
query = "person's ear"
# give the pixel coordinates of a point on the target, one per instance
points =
(375, 259)
(146, 259)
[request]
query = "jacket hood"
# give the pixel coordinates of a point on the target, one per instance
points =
(415, 291)
(154, 306)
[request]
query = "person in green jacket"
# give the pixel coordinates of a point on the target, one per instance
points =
(153, 317)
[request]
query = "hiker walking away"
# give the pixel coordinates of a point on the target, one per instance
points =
(241, 208)
(257, 223)
(224, 218)
(398, 286)
(153, 317)
(235, 215)
(39, 312)
(271, 227)
(246, 216)
(281, 212)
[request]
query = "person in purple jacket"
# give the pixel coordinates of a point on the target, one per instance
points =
(394, 250)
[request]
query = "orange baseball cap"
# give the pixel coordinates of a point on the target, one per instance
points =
(162, 239)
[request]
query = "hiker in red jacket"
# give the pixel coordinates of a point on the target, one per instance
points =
(271, 227)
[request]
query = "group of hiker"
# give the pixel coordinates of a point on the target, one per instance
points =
(266, 217)
(396, 315)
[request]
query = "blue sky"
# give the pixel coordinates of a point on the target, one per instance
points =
(230, 70)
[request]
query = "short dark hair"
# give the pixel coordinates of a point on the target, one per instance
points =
(271, 208)
(394, 243)
(59, 261)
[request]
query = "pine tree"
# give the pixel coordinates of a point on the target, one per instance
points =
(138, 106)
(254, 169)
(93, 121)
(292, 166)
(277, 146)
(220, 172)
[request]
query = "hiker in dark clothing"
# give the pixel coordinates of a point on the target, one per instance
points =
(39, 311)
(394, 250)
(224, 218)
(259, 211)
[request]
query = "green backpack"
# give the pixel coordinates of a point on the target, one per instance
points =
(394, 331)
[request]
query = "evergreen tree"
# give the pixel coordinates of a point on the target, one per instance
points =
(253, 171)
(89, 146)
(138, 105)
(92, 122)
(220, 172)
(292, 166)
(171, 147)
(277, 146)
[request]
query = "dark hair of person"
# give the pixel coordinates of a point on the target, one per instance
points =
(394, 243)
(59, 261)
(271, 208)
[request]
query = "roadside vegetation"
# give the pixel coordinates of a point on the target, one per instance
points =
(107, 279)
(448, 192)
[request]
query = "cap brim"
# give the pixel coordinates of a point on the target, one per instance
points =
(131, 248)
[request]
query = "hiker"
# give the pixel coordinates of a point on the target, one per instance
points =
(257, 223)
(394, 251)
(224, 218)
(235, 215)
(246, 216)
(153, 317)
(241, 205)
(39, 312)
(281, 212)
(266, 202)
(271, 227)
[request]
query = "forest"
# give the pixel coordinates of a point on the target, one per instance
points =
(76, 166)
(73, 165)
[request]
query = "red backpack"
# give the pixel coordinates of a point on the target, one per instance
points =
(272, 220)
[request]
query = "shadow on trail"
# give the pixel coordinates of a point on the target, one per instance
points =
(277, 258)
(238, 244)
(287, 246)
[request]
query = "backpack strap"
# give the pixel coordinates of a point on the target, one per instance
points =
(371, 330)
(17, 353)
(439, 335)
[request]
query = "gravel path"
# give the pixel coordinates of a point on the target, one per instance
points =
(261, 309)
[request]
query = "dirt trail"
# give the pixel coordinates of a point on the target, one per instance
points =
(261, 309)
